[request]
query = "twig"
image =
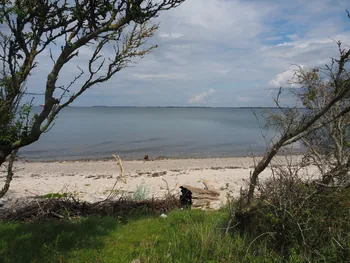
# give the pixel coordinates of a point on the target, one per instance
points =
(119, 162)
(263, 234)
(207, 185)
(110, 193)
(58, 215)
(40, 207)
(167, 186)
(338, 243)
(225, 228)
(231, 216)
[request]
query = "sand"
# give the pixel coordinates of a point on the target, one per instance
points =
(93, 180)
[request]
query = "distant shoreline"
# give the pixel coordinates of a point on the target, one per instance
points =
(185, 107)
(158, 158)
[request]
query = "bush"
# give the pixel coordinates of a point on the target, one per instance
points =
(298, 217)
(141, 193)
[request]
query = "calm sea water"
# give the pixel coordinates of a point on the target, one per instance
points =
(98, 132)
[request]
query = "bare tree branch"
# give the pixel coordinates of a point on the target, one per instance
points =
(294, 130)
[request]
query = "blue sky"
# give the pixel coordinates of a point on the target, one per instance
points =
(218, 53)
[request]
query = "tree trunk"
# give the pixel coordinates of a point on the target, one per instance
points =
(3, 156)
(287, 138)
(9, 175)
(261, 167)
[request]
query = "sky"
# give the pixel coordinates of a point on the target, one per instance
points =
(218, 53)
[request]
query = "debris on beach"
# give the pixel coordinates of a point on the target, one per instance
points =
(67, 207)
(163, 216)
(158, 174)
(198, 197)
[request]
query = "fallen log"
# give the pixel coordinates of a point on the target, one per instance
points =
(200, 191)
(207, 185)
(207, 197)
(201, 203)
(197, 197)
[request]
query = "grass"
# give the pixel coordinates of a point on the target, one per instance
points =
(185, 236)
(182, 237)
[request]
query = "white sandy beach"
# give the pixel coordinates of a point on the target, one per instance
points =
(93, 180)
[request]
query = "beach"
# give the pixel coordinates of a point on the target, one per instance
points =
(93, 181)
(185, 145)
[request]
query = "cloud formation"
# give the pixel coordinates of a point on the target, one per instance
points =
(201, 98)
(242, 48)
(287, 78)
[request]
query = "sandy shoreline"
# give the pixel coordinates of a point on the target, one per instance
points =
(93, 180)
(153, 158)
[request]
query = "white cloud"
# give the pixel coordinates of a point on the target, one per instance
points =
(240, 47)
(281, 79)
(215, 20)
(308, 53)
(286, 78)
(201, 98)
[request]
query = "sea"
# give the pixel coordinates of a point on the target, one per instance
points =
(84, 133)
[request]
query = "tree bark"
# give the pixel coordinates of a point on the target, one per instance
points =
(9, 175)
(2, 157)
(4, 153)
(261, 167)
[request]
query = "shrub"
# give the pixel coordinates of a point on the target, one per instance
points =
(300, 217)
(140, 193)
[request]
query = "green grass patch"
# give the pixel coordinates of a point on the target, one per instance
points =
(185, 236)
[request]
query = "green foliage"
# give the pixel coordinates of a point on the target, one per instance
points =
(300, 219)
(185, 236)
(15, 123)
(312, 86)
(140, 193)
(15, 119)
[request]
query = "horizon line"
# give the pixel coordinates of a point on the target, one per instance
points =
(236, 107)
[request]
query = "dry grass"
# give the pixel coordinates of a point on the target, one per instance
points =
(64, 206)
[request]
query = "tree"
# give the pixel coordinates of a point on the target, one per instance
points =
(332, 87)
(293, 213)
(328, 146)
(31, 27)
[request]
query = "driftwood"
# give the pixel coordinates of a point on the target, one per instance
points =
(200, 191)
(198, 197)
(200, 203)
(207, 185)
